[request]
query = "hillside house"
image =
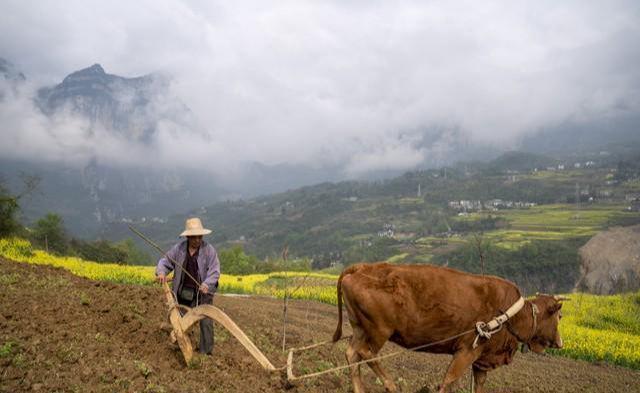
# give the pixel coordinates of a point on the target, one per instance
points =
(388, 230)
(632, 197)
(465, 205)
(492, 204)
(605, 193)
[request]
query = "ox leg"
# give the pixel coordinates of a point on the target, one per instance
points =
(352, 357)
(367, 353)
(459, 364)
(479, 377)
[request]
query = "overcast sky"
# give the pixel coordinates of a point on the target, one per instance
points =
(352, 82)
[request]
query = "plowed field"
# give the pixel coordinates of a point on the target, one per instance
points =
(62, 333)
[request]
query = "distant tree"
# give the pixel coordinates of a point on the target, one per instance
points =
(541, 265)
(8, 209)
(9, 204)
(49, 232)
(134, 255)
(98, 251)
(321, 261)
(376, 250)
(280, 265)
(235, 261)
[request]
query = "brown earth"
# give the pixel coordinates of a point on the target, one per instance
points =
(61, 333)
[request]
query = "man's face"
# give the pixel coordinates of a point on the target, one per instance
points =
(194, 241)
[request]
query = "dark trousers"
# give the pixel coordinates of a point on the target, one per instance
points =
(206, 324)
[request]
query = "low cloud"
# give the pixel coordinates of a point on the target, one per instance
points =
(385, 157)
(327, 83)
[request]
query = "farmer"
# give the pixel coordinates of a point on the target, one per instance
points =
(196, 279)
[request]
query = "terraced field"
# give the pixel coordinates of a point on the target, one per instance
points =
(544, 222)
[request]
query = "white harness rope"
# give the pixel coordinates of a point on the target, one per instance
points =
(487, 329)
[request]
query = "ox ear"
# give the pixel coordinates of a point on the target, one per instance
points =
(554, 308)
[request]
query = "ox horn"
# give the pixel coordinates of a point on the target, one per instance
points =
(556, 297)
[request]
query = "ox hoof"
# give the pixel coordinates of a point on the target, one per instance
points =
(390, 387)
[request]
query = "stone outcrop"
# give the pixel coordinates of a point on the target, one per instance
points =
(610, 262)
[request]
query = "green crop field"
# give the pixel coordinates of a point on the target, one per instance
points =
(552, 222)
(594, 328)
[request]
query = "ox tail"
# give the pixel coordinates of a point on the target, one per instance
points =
(349, 270)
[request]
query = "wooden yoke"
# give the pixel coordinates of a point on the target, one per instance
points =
(176, 321)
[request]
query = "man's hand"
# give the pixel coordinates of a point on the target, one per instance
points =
(204, 288)
(161, 278)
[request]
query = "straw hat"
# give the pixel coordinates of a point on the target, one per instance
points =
(193, 227)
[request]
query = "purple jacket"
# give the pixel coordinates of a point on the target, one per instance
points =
(208, 265)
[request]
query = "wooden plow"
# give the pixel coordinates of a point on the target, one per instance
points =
(182, 324)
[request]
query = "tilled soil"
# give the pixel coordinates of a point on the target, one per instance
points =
(62, 333)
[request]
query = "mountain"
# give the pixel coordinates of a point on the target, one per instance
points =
(616, 134)
(9, 71)
(10, 78)
(90, 195)
(132, 107)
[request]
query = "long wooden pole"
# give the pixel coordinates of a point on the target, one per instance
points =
(154, 245)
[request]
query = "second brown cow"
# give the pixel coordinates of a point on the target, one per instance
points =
(415, 305)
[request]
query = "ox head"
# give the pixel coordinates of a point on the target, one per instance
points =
(548, 318)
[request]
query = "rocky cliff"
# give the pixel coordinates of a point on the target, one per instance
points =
(610, 262)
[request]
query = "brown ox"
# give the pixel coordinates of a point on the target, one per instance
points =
(414, 305)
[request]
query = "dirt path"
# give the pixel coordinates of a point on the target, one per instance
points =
(62, 333)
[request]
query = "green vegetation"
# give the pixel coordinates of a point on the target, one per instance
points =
(235, 261)
(10, 206)
(49, 233)
(8, 209)
(144, 369)
(544, 266)
(7, 348)
(556, 221)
